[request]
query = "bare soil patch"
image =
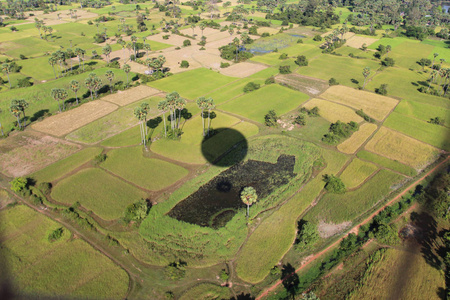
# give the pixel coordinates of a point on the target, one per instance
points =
(63, 123)
(327, 230)
(357, 41)
(123, 98)
(64, 16)
(27, 152)
(242, 69)
(307, 85)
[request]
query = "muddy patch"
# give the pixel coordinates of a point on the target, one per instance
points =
(216, 202)
(327, 230)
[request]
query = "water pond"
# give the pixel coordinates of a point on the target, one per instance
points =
(216, 202)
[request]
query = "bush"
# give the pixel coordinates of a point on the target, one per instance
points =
(301, 61)
(313, 112)
(271, 118)
(224, 65)
(265, 34)
(270, 80)
(99, 38)
(334, 184)
(18, 184)
(45, 187)
(317, 38)
(21, 56)
(175, 271)
(114, 64)
(166, 37)
(332, 81)
(437, 121)
(186, 43)
(283, 56)
(228, 52)
(251, 86)
(300, 41)
(366, 117)
(382, 90)
(184, 64)
(55, 235)
(285, 69)
(100, 158)
(307, 236)
(300, 120)
(224, 276)
(339, 130)
(388, 62)
(136, 211)
(24, 82)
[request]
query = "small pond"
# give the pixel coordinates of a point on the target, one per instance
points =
(216, 202)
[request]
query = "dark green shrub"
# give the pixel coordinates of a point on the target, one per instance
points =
(285, 69)
(317, 38)
(136, 211)
(300, 120)
(166, 37)
(300, 41)
(332, 81)
(307, 236)
(283, 56)
(100, 158)
(224, 276)
(224, 65)
(55, 235)
(114, 64)
(382, 90)
(175, 271)
(21, 56)
(334, 184)
(184, 64)
(251, 86)
(301, 61)
(388, 62)
(265, 34)
(186, 43)
(99, 38)
(45, 187)
(24, 82)
(437, 121)
(270, 80)
(366, 117)
(271, 118)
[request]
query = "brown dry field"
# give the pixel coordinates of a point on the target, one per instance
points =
(52, 18)
(65, 122)
(358, 138)
(357, 41)
(126, 97)
(333, 112)
(242, 69)
(402, 148)
(376, 106)
(26, 152)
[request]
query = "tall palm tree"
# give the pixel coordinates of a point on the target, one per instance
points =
(134, 40)
(6, 68)
(236, 43)
(75, 86)
(97, 84)
(1, 127)
(15, 111)
(22, 106)
(231, 32)
(202, 27)
(201, 103)
(50, 30)
(180, 105)
(366, 73)
(140, 114)
(107, 51)
(162, 106)
(69, 54)
(110, 76)
(434, 57)
(126, 69)
(80, 54)
(147, 48)
(146, 109)
(210, 106)
(172, 99)
(388, 49)
(249, 197)
(89, 83)
(193, 28)
(433, 75)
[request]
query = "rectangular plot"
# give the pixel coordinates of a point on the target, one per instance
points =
(358, 138)
(126, 97)
(63, 123)
(333, 112)
(374, 105)
(387, 163)
(356, 172)
(397, 146)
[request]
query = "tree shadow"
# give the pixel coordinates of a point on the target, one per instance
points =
(290, 279)
(243, 296)
(39, 114)
(153, 124)
(426, 237)
(353, 80)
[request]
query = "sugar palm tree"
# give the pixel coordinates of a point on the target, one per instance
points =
(80, 54)
(15, 111)
(210, 106)
(145, 108)
(89, 83)
(107, 51)
(140, 114)
(236, 43)
(6, 68)
(433, 75)
(202, 27)
(366, 73)
(201, 103)
(75, 86)
(110, 76)
(172, 99)
(193, 28)
(162, 106)
(249, 197)
(97, 84)
(434, 57)
(1, 127)
(126, 69)
(388, 49)
(147, 48)
(69, 54)
(180, 105)
(23, 105)
(231, 32)
(134, 40)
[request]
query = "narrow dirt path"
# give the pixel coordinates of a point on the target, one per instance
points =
(355, 230)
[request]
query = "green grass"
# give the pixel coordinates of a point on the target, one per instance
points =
(443, 53)
(31, 47)
(188, 149)
(337, 208)
(264, 74)
(104, 194)
(273, 238)
(113, 123)
(129, 137)
(387, 163)
(357, 172)
(256, 104)
(72, 267)
(39, 96)
(206, 291)
(149, 173)
(408, 53)
(435, 135)
(328, 66)
(193, 84)
(38, 68)
(394, 42)
(231, 91)
(422, 111)
(66, 165)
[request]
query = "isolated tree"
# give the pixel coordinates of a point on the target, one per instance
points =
(1, 127)
(110, 76)
(249, 197)
(23, 105)
(366, 73)
(434, 57)
(134, 40)
(140, 114)
(59, 94)
(202, 27)
(388, 49)
(6, 68)
(126, 69)
(433, 75)
(107, 51)
(210, 106)
(146, 109)
(202, 104)
(193, 28)
(80, 54)
(50, 30)
(180, 104)
(147, 48)
(52, 61)
(97, 84)
(231, 32)
(15, 111)
(236, 43)
(75, 86)
(172, 99)
(69, 54)
(162, 106)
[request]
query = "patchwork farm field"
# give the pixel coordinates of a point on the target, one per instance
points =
(104, 198)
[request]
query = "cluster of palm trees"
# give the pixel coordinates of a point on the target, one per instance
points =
(443, 73)
(7, 68)
(93, 83)
(333, 37)
(17, 108)
(206, 105)
(132, 46)
(39, 24)
(141, 113)
(249, 197)
(155, 63)
(173, 104)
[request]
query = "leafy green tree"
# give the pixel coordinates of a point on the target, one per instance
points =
(301, 61)
(18, 184)
(136, 211)
(249, 197)
(307, 235)
(110, 76)
(55, 234)
(74, 86)
(271, 118)
(175, 271)
(424, 62)
(334, 184)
